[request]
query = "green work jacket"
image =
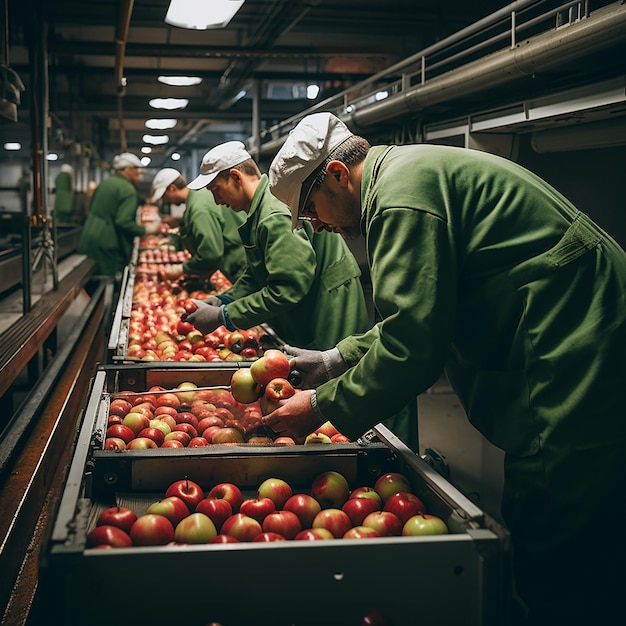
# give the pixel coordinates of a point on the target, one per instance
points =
(63, 197)
(306, 287)
(209, 232)
(111, 226)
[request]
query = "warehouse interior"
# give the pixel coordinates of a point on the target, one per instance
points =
(541, 82)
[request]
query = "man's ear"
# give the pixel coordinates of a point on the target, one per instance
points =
(339, 171)
(236, 176)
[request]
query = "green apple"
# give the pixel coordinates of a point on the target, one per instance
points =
(424, 524)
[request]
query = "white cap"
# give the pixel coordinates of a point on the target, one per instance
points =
(308, 145)
(68, 169)
(218, 159)
(126, 159)
(162, 181)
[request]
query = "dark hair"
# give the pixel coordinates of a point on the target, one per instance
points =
(352, 150)
(179, 183)
(248, 167)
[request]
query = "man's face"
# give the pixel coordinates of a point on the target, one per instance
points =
(132, 173)
(226, 191)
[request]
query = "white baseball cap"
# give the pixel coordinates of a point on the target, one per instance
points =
(126, 159)
(307, 146)
(218, 159)
(162, 181)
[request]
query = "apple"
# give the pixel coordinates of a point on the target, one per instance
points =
(316, 438)
(187, 417)
(279, 389)
(424, 524)
(167, 399)
(109, 535)
(330, 489)
(327, 429)
(152, 530)
(361, 532)
(209, 432)
(269, 537)
(259, 440)
(120, 407)
(114, 419)
(172, 443)
(209, 420)
(273, 364)
(165, 410)
(155, 434)
(358, 509)
(120, 516)
(314, 534)
(334, 520)
(285, 441)
(305, 506)
(141, 443)
(188, 491)
(366, 492)
(258, 508)
(218, 509)
(198, 442)
(241, 527)
(228, 434)
(277, 490)
(195, 528)
(162, 425)
(404, 504)
(283, 522)
(390, 483)
(340, 438)
(387, 524)
(178, 435)
(229, 492)
(224, 539)
(171, 507)
(136, 421)
(186, 427)
(243, 387)
(114, 443)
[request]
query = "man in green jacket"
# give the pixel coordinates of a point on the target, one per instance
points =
(306, 287)
(208, 231)
(111, 226)
(480, 267)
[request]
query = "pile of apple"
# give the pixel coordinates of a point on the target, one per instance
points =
(266, 381)
(330, 510)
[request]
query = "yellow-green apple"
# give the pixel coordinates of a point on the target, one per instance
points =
(187, 392)
(218, 509)
(195, 528)
(241, 527)
(136, 421)
(283, 522)
(141, 443)
(120, 516)
(171, 507)
(358, 509)
(228, 434)
(152, 530)
(327, 428)
(269, 537)
(404, 504)
(229, 492)
(366, 492)
(387, 524)
(258, 508)
(146, 408)
(330, 489)
(189, 491)
(276, 489)
(390, 483)
(114, 443)
(305, 506)
(312, 438)
(273, 364)
(424, 524)
(361, 532)
(179, 435)
(109, 535)
(334, 520)
(314, 534)
(164, 423)
(243, 387)
(155, 434)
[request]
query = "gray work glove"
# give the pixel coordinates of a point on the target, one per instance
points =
(207, 317)
(213, 300)
(314, 367)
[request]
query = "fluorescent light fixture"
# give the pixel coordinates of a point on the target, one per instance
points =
(202, 15)
(312, 91)
(146, 149)
(180, 81)
(145, 161)
(381, 95)
(161, 124)
(52, 156)
(155, 140)
(12, 146)
(175, 156)
(169, 103)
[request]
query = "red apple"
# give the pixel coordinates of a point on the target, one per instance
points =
(209, 420)
(305, 506)
(269, 537)
(179, 435)
(164, 409)
(277, 490)
(120, 516)
(258, 508)
(114, 443)
(330, 489)
(167, 399)
(187, 417)
(358, 509)
(109, 535)
(241, 527)
(171, 507)
(387, 524)
(285, 523)
(229, 492)
(186, 427)
(404, 504)
(273, 364)
(136, 421)
(279, 389)
(141, 443)
(224, 539)
(218, 509)
(424, 524)
(120, 407)
(228, 434)
(172, 443)
(152, 530)
(243, 387)
(188, 491)
(361, 532)
(114, 419)
(155, 434)
(339, 438)
(285, 441)
(327, 429)
(314, 534)
(209, 432)
(391, 483)
(195, 528)
(366, 492)
(334, 520)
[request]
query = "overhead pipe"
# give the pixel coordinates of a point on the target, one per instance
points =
(121, 37)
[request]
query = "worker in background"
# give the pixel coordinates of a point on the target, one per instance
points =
(480, 267)
(64, 194)
(306, 287)
(208, 231)
(111, 226)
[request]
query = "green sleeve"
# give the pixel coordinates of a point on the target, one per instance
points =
(126, 215)
(206, 242)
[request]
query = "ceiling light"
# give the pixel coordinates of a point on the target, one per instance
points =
(52, 156)
(161, 124)
(180, 81)
(200, 16)
(175, 156)
(155, 140)
(146, 149)
(381, 95)
(145, 161)
(12, 145)
(312, 91)
(169, 103)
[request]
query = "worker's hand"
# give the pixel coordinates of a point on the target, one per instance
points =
(214, 300)
(315, 366)
(295, 417)
(173, 272)
(207, 317)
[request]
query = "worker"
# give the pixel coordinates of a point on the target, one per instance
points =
(306, 287)
(208, 231)
(481, 268)
(64, 194)
(111, 226)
